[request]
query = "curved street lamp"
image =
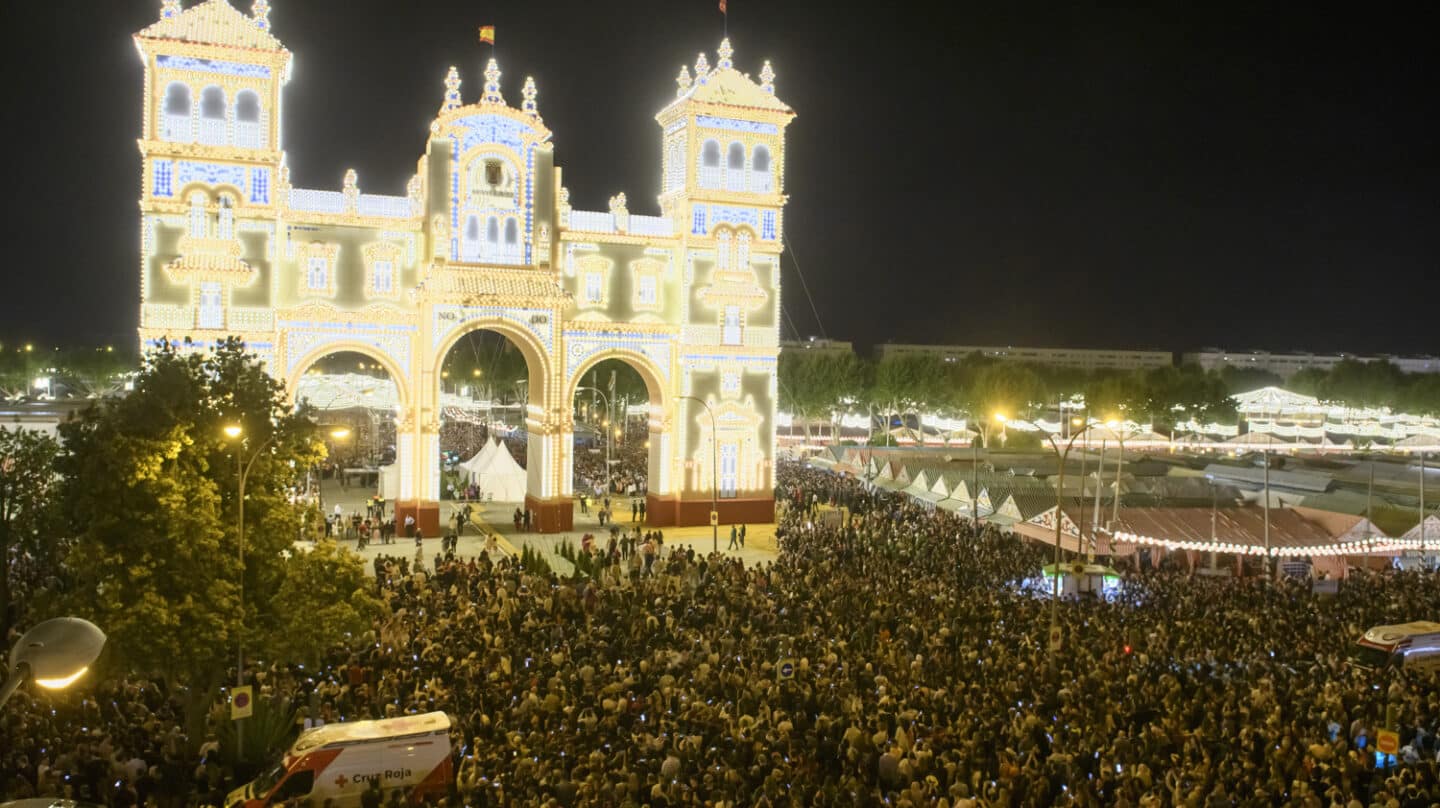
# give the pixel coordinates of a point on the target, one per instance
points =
(53, 654)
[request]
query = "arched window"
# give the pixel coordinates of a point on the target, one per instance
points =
(710, 165)
(760, 170)
(512, 240)
(247, 120)
(735, 167)
(471, 249)
(198, 227)
(492, 230)
(212, 116)
(225, 228)
(175, 120)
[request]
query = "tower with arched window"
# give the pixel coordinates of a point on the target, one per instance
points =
(210, 144)
(484, 237)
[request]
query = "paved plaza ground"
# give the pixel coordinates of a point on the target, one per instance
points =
(497, 517)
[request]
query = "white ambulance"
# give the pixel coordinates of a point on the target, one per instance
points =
(1409, 646)
(338, 761)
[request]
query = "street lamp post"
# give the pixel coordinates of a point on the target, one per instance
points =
(610, 418)
(339, 433)
(979, 429)
(237, 432)
(53, 654)
(1120, 428)
(1062, 456)
(714, 476)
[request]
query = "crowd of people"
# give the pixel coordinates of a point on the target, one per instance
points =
(889, 655)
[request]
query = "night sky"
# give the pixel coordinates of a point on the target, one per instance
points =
(1243, 175)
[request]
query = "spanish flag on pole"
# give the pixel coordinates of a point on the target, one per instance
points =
(722, 8)
(487, 34)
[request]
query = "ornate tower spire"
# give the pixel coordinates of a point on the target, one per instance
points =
(528, 105)
(724, 53)
(767, 78)
(452, 90)
(261, 12)
(169, 8)
(683, 80)
(702, 68)
(492, 84)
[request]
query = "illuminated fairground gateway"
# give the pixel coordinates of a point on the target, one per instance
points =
(484, 238)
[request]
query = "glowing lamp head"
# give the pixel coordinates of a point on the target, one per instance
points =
(1000, 417)
(1077, 421)
(340, 433)
(57, 653)
(1112, 423)
(233, 431)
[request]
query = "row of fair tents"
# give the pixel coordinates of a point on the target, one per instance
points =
(1024, 503)
(493, 471)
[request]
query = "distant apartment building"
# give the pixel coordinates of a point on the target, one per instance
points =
(819, 346)
(1078, 358)
(1285, 365)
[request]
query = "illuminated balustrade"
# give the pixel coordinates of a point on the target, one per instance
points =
(212, 131)
(176, 128)
(247, 134)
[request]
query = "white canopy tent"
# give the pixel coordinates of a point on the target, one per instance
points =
(501, 478)
(480, 460)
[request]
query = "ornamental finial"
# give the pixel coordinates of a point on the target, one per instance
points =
(618, 204)
(528, 105)
(351, 189)
(724, 53)
(683, 80)
(452, 90)
(702, 68)
(261, 12)
(492, 84)
(169, 8)
(767, 78)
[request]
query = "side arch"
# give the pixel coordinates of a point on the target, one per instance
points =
(402, 381)
(661, 396)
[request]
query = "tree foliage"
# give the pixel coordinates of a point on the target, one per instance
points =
(328, 587)
(29, 523)
(151, 483)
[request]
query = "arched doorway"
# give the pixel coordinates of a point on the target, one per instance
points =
(620, 408)
(490, 381)
(355, 395)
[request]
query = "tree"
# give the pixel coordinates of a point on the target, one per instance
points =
(1244, 380)
(95, 372)
(1307, 381)
(1006, 388)
(812, 385)
(29, 527)
(1115, 395)
(151, 484)
(20, 366)
(328, 586)
(1421, 395)
(1363, 384)
(908, 383)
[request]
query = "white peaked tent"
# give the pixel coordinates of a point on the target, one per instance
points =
(480, 460)
(390, 481)
(501, 479)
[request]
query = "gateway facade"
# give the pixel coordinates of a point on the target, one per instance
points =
(484, 237)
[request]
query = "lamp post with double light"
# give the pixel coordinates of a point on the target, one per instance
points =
(979, 428)
(1061, 455)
